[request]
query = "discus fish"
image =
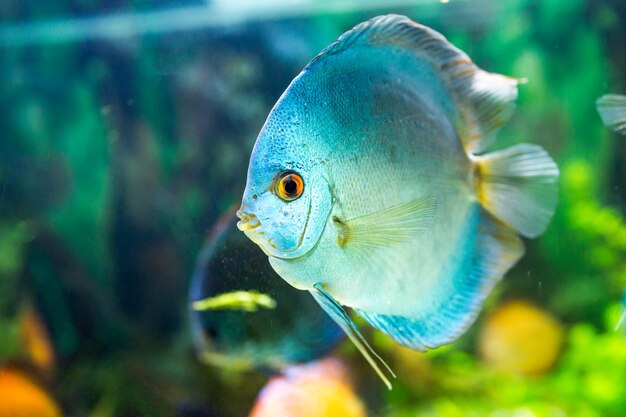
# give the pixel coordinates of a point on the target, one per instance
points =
(612, 109)
(243, 315)
(370, 186)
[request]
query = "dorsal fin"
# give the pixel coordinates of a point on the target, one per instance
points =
(490, 251)
(484, 101)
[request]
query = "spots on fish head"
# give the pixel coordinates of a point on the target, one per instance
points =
(287, 200)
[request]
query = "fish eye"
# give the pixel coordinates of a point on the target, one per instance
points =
(289, 186)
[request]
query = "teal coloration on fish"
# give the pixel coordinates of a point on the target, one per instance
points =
(371, 187)
(612, 109)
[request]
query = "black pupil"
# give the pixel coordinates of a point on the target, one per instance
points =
(290, 186)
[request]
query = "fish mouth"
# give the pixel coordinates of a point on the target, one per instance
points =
(250, 224)
(247, 222)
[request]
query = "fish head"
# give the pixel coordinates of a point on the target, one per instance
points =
(287, 200)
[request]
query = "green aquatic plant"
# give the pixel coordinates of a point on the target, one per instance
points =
(597, 237)
(13, 240)
(587, 382)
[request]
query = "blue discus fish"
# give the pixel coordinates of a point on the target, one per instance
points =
(370, 186)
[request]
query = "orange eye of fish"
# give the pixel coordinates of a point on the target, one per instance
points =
(289, 186)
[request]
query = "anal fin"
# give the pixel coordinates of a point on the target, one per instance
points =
(337, 313)
(491, 249)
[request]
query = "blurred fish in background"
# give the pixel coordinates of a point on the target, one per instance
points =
(317, 389)
(612, 109)
(243, 316)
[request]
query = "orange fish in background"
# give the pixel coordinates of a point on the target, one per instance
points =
(317, 389)
(520, 338)
(20, 396)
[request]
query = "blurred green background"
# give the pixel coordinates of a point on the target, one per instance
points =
(124, 138)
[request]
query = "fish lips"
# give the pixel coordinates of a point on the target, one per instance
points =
(270, 243)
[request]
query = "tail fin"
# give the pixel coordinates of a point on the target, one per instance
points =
(519, 186)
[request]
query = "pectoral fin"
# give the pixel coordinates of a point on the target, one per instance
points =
(337, 313)
(390, 227)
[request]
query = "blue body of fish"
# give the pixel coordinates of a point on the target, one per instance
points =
(370, 184)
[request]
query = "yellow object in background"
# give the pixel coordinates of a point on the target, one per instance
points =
(36, 341)
(521, 338)
(249, 301)
(21, 397)
(318, 389)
